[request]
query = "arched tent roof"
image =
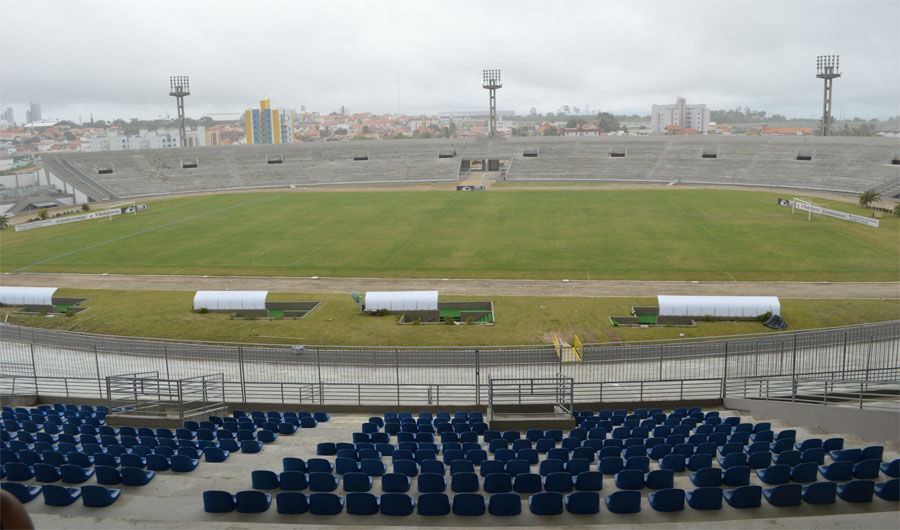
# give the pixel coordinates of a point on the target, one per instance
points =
(218, 300)
(717, 306)
(401, 300)
(27, 295)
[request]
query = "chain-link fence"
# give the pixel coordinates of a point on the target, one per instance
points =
(61, 363)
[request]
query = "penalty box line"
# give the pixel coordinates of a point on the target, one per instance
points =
(126, 236)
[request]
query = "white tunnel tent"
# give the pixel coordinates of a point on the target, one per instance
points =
(401, 300)
(718, 306)
(27, 295)
(230, 300)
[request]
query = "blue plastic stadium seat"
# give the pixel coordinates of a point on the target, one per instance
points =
(72, 474)
(497, 483)
(252, 501)
(360, 503)
(626, 501)
(291, 502)
(291, 480)
(527, 483)
(435, 466)
(546, 503)
(837, 471)
(464, 482)
(108, 475)
(707, 477)
(550, 466)
(398, 504)
(357, 482)
(853, 491)
(503, 504)
(749, 496)
(872, 452)
(183, 464)
(561, 482)
(630, 479)
(888, 490)
(431, 483)
(319, 465)
(56, 495)
(320, 481)
(892, 468)
(468, 504)
(705, 498)
(133, 476)
(589, 481)
(736, 476)
(659, 479)
(846, 455)
(759, 460)
(809, 443)
(325, 504)
(815, 455)
(24, 492)
(784, 495)
(787, 458)
(819, 493)
(583, 502)
(667, 500)
(773, 475)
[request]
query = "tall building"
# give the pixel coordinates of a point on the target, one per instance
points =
(679, 117)
(266, 125)
(35, 112)
(8, 116)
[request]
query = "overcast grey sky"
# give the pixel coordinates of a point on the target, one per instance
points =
(113, 58)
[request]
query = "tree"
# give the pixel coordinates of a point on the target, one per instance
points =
(867, 197)
(608, 122)
(551, 131)
(43, 214)
(572, 123)
(4, 222)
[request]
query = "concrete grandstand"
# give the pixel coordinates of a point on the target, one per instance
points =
(833, 164)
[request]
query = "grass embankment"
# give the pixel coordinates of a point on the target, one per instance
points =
(577, 234)
(520, 320)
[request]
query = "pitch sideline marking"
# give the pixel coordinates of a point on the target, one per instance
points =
(126, 236)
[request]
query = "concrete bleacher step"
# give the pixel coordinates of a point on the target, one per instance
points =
(506, 417)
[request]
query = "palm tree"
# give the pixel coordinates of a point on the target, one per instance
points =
(867, 197)
(4, 222)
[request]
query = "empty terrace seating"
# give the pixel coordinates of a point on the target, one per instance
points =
(450, 464)
(50, 448)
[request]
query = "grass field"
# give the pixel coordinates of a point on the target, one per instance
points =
(592, 234)
(519, 320)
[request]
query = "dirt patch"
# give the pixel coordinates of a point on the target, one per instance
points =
(573, 288)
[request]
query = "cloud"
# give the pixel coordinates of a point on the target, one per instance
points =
(113, 59)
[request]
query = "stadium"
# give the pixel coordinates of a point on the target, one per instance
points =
(200, 419)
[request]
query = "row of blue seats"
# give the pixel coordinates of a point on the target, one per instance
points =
(54, 495)
(72, 474)
(76, 474)
(141, 448)
(544, 503)
(527, 482)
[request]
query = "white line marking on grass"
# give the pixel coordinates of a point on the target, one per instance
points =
(120, 238)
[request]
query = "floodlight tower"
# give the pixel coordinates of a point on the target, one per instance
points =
(827, 69)
(180, 86)
(490, 80)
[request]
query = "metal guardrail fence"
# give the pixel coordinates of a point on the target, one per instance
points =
(62, 363)
(558, 390)
(862, 394)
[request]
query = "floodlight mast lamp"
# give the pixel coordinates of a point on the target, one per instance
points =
(827, 68)
(180, 86)
(490, 80)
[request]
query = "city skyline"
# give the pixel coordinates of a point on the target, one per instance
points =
(422, 58)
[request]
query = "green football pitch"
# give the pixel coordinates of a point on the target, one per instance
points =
(593, 234)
